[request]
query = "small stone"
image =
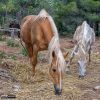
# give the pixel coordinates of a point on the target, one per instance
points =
(97, 87)
(16, 88)
(9, 96)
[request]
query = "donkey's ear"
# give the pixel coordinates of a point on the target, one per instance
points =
(65, 55)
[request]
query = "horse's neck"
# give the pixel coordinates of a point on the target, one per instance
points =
(47, 30)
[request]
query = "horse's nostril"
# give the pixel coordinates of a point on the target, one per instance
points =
(54, 70)
(58, 92)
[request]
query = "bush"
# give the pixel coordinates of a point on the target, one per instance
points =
(13, 57)
(24, 52)
(2, 54)
(1, 37)
(12, 43)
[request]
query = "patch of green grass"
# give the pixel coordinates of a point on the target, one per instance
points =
(24, 52)
(12, 43)
(2, 54)
(13, 57)
(1, 37)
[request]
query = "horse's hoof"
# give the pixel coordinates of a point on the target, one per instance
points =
(81, 77)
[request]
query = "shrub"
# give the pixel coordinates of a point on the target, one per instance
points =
(12, 43)
(13, 57)
(2, 54)
(1, 37)
(24, 52)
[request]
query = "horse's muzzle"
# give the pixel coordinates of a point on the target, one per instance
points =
(57, 90)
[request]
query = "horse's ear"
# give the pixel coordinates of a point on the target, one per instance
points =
(65, 55)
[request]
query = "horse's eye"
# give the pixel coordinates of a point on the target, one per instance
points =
(54, 70)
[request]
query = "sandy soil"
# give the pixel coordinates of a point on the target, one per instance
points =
(21, 83)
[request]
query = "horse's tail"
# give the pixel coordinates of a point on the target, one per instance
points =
(18, 33)
(23, 45)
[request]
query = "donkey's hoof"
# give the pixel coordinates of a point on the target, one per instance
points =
(81, 77)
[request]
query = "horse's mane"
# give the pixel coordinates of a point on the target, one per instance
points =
(54, 45)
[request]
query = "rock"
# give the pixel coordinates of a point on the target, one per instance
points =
(8, 96)
(97, 89)
(16, 87)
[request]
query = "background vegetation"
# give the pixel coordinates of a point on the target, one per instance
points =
(68, 14)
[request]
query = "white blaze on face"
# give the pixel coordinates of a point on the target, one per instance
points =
(61, 65)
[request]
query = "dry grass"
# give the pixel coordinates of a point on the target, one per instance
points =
(40, 87)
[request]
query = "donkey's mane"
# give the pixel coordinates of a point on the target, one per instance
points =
(54, 45)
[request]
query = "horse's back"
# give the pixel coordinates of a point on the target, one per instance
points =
(26, 26)
(78, 34)
(26, 18)
(84, 34)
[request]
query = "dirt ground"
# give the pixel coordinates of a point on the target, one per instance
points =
(18, 79)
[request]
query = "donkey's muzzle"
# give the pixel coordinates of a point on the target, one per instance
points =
(57, 90)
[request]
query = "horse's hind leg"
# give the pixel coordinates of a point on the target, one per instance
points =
(34, 58)
(32, 52)
(90, 54)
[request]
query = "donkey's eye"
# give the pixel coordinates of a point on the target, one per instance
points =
(54, 70)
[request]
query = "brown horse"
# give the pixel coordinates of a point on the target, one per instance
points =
(40, 33)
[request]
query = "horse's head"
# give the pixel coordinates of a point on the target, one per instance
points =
(56, 71)
(56, 74)
(82, 68)
(82, 63)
